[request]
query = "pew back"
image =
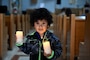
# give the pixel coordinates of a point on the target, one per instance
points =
(3, 37)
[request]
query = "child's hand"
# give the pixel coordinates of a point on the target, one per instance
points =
(47, 55)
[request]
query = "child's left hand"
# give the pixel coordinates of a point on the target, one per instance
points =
(47, 55)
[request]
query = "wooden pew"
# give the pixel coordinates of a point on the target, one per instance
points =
(59, 26)
(68, 41)
(84, 53)
(18, 22)
(28, 26)
(9, 20)
(71, 39)
(23, 25)
(55, 24)
(64, 37)
(15, 22)
(77, 35)
(3, 37)
(60, 29)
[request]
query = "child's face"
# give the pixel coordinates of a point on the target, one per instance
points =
(41, 26)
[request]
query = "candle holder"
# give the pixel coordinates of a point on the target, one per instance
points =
(19, 36)
(46, 47)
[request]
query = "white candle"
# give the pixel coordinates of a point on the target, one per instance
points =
(19, 36)
(46, 47)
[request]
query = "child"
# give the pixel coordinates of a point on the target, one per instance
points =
(41, 19)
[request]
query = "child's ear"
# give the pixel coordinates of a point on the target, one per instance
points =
(48, 26)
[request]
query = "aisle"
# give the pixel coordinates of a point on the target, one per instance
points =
(16, 54)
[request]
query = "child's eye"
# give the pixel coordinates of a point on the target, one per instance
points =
(43, 23)
(37, 23)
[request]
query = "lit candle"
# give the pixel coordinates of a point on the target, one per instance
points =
(46, 47)
(19, 36)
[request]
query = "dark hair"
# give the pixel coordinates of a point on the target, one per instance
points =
(39, 14)
(68, 12)
(86, 11)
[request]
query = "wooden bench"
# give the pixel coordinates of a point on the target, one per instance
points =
(3, 37)
(57, 25)
(23, 25)
(84, 52)
(18, 22)
(72, 38)
(76, 35)
(73, 28)
(9, 20)
(28, 27)
(64, 36)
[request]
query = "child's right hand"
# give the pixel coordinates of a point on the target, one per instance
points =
(47, 55)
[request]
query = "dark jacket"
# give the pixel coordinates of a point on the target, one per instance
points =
(32, 45)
